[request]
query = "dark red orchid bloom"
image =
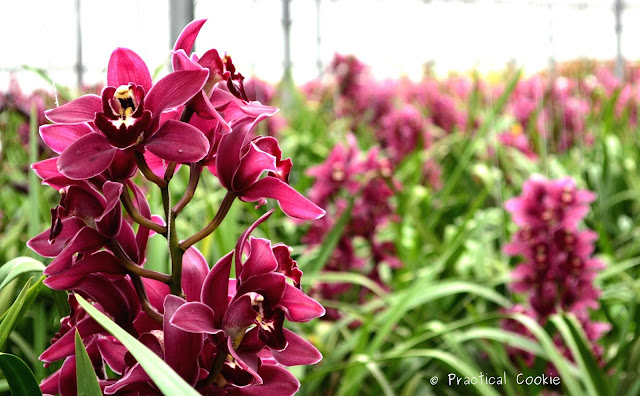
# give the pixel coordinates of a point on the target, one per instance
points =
(244, 318)
(217, 106)
(101, 347)
(178, 348)
(240, 164)
(94, 131)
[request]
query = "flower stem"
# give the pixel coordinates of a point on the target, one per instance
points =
(175, 252)
(144, 299)
(216, 367)
(132, 267)
(194, 176)
(137, 216)
(209, 228)
(147, 172)
(168, 173)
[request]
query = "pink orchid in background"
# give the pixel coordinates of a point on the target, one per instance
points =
(516, 138)
(368, 180)
(90, 131)
(339, 171)
(558, 269)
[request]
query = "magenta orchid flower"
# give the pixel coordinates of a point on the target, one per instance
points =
(558, 270)
(240, 164)
(222, 336)
(92, 130)
(245, 317)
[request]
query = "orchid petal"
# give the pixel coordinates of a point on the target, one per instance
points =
(292, 203)
(179, 142)
(65, 345)
(142, 205)
(298, 351)
(237, 109)
(181, 61)
(181, 348)
(299, 307)
(51, 385)
(276, 381)
(249, 362)
(156, 291)
(41, 245)
(86, 241)
(203, 108)
(103, 262)
(59, 136)
(135, 376)
(87, 157)
(243, 238)
(188, 36)
(110, 221)
(123, 165)
(68, 381)
(239, 316)
(157, 165)
(47, 170)
(112, 298)
(174, 90)
(228, 156)
(251, 166)
(195, 317)
(125, 67)
(260, 261)
(112, 352)
(127, 239)
(271, 285)
(82, 109)
(194, 272)
(215, 288)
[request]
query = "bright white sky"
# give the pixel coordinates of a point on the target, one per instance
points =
(394, 37)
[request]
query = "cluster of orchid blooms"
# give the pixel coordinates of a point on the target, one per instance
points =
(221, 335)
(558, 270)
(553, 108)
(367, 178)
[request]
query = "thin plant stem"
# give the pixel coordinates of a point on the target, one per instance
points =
(137, 216)
(147, 172)
(228, 200)
(168, 173)
(144, 299)
(134, 268)
(194, 176)
(216, 368)
(175, 253)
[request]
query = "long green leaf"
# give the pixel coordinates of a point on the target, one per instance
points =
(565, 368)
(19, 376)
(34, 185)
(167, 380)
(583, 354)
(13, 314)
(17, 267)
(86, 378)
(345, 277)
